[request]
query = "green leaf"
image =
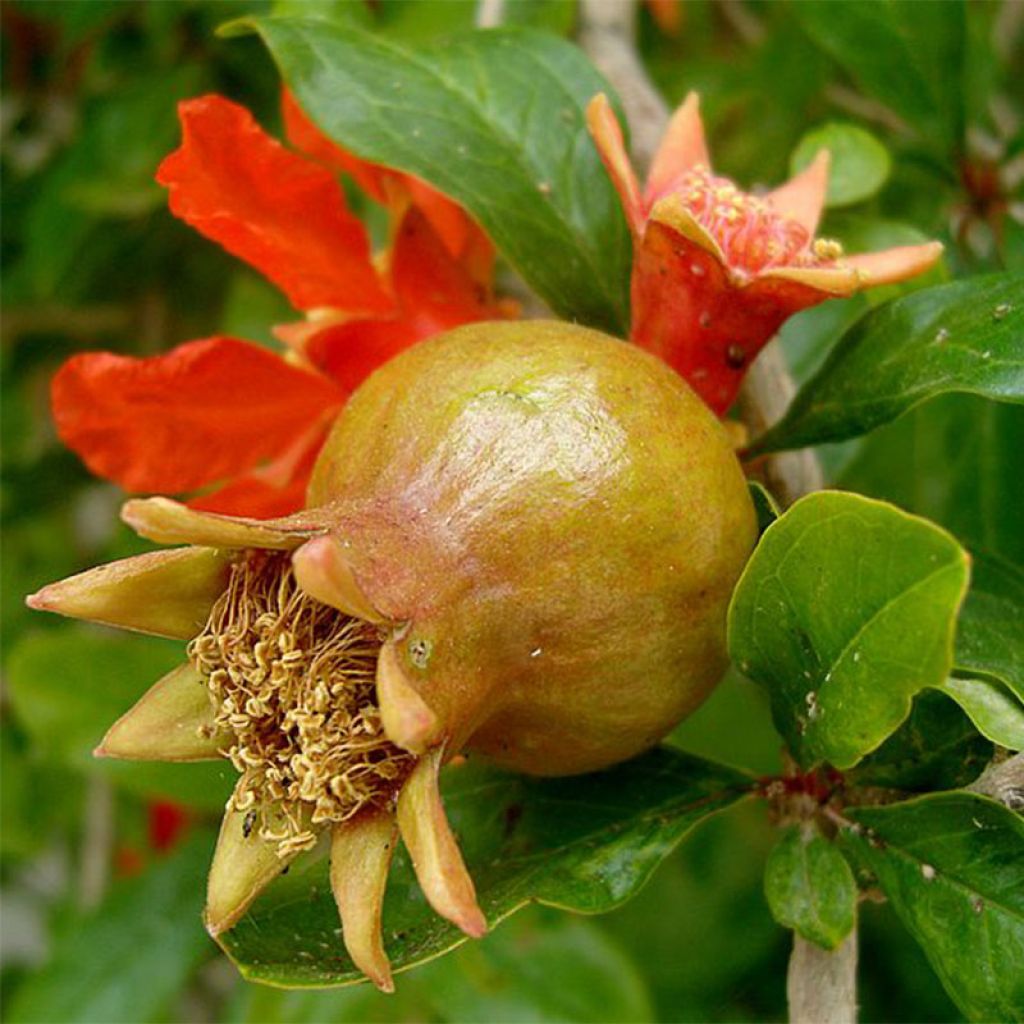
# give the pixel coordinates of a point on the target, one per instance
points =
(766, 507)
(585, 843)
(990, 637)
(845, 611)
(546, 966)
(542, 965)
(860, 163)
(967, 336)
(106, 173)
(995, 711)
(958, 460)
(952, 865)
(494, 120)
(69, 684)
(127, 960)
(908, 55)
(810, 888)
(937, 747)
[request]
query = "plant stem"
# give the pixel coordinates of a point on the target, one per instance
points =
(821, 985)
(1003, 780)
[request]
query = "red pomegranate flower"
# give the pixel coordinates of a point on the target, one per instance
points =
(716, 271)
(222, 411)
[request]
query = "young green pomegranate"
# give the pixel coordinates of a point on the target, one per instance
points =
(520, 542)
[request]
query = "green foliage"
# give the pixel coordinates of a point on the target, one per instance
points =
(967, 336)
(994, 710)
(585, 843)
(838, 594)
(951, 865)
(494, 120)
(810, 888)
(765, 506)
(910, 56)
(958, 460)
(127, 960)
(538, 967)
(70, 684)
(988, 640)
(860, 163)
(937, 747)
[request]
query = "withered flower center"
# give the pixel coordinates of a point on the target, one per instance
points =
(292, 684)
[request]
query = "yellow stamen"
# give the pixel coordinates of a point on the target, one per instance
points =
(292, 681)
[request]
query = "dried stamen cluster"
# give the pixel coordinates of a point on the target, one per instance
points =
(292, 681)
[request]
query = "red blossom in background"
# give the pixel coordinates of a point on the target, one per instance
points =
(225, 412)
(716, 271)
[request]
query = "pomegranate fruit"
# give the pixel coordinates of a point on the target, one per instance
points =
(520, 541)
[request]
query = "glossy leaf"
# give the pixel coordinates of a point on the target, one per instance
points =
(810, 888)
(540, 966)
(129, 959)
(990, 637)
(860, 163)
(845, 611)
(995, 711)
(958, 460)
(492, 119)
(952, 865)
(967, 336)
(69, 684)
(937, 747)
(545, 966)
(908, 55)
(585, 843)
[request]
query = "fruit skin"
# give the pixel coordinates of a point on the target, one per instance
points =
(557, 522)
(544, 525)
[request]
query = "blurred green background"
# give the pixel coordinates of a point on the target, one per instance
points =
(103, 865)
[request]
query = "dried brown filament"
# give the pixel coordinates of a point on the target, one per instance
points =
(292, 682)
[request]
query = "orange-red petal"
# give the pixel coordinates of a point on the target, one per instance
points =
(304, 135)
(604, 128)
(276, 489)
(435, 293)
(392, 188)
(682, 148)
(667, 14)
(803, 196)
(203, 412)
(282, 214)
(865, 270)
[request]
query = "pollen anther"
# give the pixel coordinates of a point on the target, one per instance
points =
(293, 681)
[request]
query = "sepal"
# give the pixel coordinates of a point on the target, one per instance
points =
(174, 721)
(165, 593)
(435, 854)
